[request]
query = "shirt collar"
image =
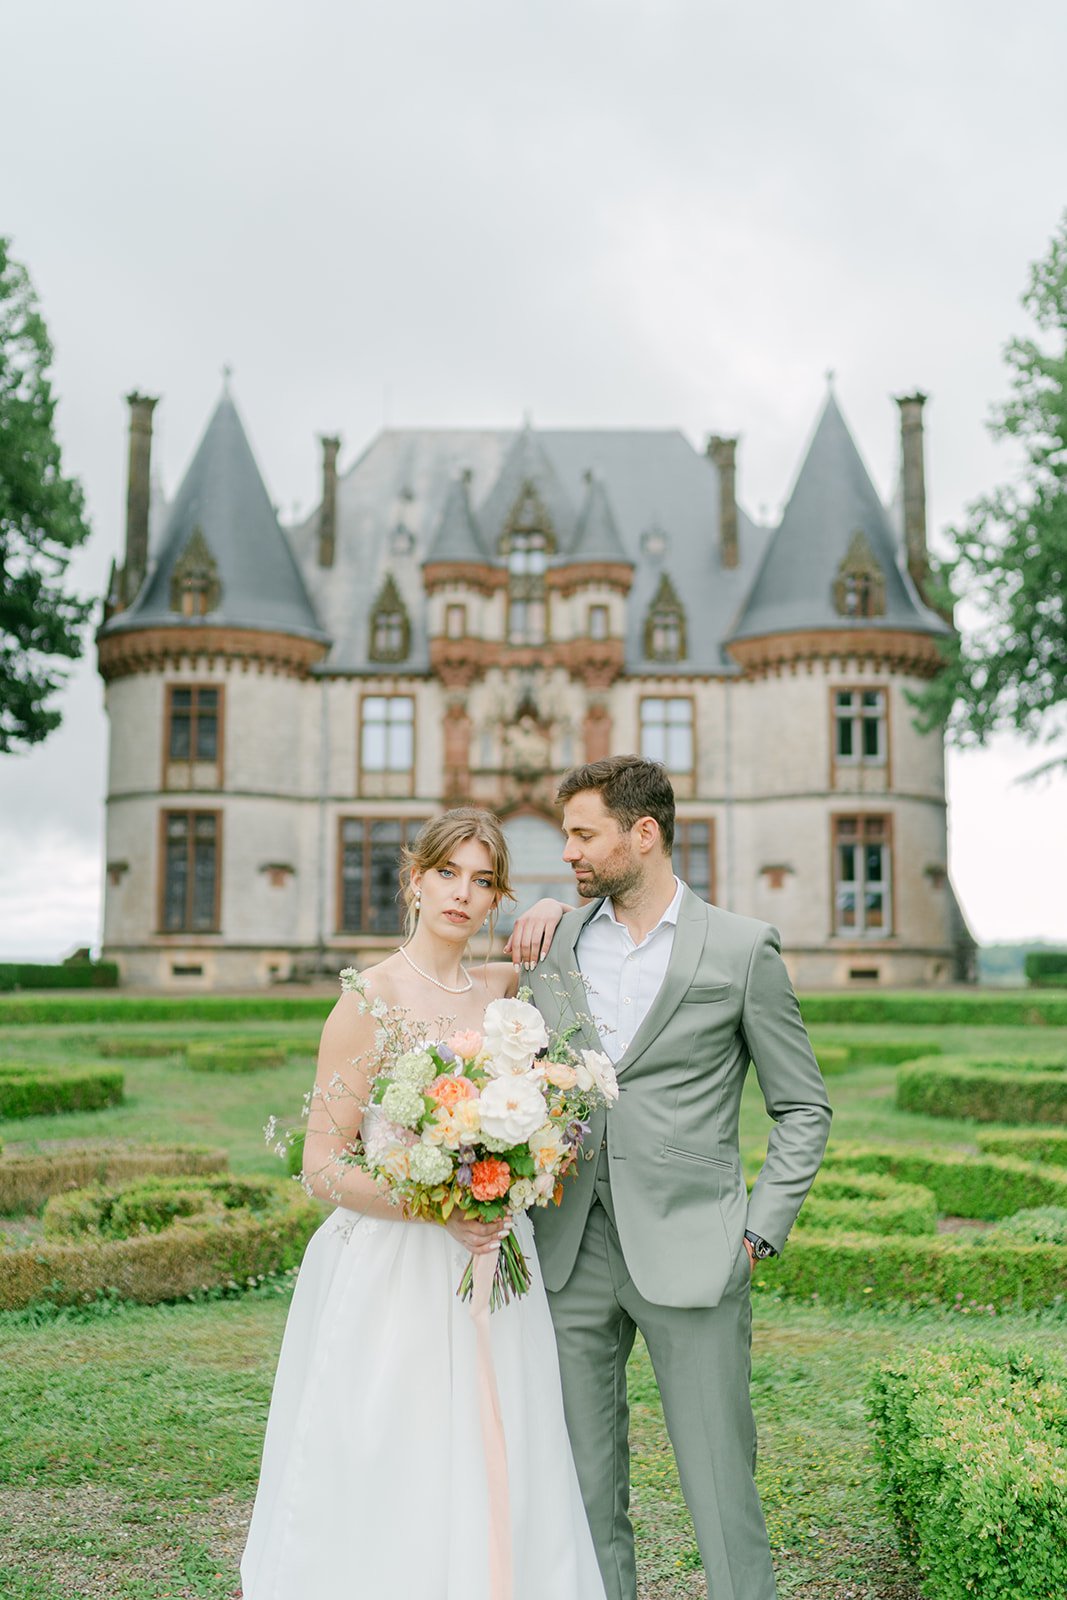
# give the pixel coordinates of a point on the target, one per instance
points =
(606, 909)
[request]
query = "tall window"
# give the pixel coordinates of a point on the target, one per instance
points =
(692, 860)
(527, 559)
(665, 624)
(862, 907)
(455, 621)
(667, 731)
(598, 622)
(390, 627)
(370, 863)
(193, 750)
(860, 726)
(191, 850)
(387, 744)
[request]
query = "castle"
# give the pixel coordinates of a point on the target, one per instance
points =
(468, 613)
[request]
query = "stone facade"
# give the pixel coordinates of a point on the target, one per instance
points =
(464, 617)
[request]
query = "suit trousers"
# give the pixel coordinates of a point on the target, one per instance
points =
(702, 1361)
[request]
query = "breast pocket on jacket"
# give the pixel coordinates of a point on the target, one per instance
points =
(703, 994)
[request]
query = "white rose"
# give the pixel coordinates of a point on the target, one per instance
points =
(546, 1147)
(521, 1195)
(512, 1108)
(545, 1185)
(514, 1033)
(601, 1073)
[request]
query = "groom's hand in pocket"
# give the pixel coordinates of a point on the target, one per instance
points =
(532, 935)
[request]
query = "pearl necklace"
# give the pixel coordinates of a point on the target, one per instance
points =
(447, 987)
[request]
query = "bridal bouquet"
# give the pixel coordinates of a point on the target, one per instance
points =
(487, 1122)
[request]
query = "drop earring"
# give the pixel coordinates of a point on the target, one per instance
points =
(418, 901)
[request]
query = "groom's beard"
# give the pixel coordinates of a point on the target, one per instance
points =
(614, 881)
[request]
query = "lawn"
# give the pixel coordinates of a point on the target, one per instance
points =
(129, 1436)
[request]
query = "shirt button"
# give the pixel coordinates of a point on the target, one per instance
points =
(626, 1000)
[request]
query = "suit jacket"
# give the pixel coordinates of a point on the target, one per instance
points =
(672, 1144)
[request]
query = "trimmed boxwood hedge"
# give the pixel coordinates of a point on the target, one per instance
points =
(138, 1047)
(1027, 1144)
(972, 1445)
(234, 1055)
(881, 1270)
(265, 1230)
(985, 1187)
(58, 975)
(1039, 1225)
(867, 1202)
(961, 1086)
(938, 1008)
(32, 1090)
(28, 1179)
(879, 1052)
(1046, 968)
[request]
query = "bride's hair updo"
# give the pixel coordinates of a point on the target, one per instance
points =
(433, 846)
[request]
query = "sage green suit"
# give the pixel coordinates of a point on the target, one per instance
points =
(650, 1235)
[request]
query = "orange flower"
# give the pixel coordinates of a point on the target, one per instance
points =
(449, 1090)
(490, 1179)
(466, 1044)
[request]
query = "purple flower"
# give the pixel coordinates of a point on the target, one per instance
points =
(576, 1132)
(464, 1174)
(444, 1054)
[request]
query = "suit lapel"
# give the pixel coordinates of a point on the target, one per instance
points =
(689, 936)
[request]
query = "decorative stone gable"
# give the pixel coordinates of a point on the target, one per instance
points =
(390, 625)
(529, 515)
(665, 635)
(859, 586)
(195, 587)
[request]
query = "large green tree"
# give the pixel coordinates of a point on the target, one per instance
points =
(1009, 561)
(42, 520)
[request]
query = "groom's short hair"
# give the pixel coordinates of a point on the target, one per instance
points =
(631, 787)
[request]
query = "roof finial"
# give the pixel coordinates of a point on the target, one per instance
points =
(830, 376)
(227, 374)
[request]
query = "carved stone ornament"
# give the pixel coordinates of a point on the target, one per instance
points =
(390, 625)
(859, 586)
(528, 515)
(195, 587)
(665, 624)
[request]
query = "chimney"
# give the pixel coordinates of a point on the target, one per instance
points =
(138, 493)
(724, 454)
(914, 476)
(328, 513)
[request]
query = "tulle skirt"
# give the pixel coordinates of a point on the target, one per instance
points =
(373, 1480)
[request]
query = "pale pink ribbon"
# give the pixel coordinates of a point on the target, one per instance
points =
(493, 1441)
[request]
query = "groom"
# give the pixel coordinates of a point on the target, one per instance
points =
(657, 1234)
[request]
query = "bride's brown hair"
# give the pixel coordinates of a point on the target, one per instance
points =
(433, 846)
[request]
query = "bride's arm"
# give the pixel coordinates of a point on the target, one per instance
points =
(341, 1091)
(532, 935)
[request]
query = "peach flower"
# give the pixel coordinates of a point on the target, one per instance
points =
(560, 1074)
(466, 1045)
(490, 1178)
(448, 1090)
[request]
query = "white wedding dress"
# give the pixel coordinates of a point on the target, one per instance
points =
(373, 1480)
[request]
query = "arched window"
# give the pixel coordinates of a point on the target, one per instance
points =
(194, 584)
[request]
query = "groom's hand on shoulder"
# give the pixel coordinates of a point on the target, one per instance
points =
(531, 937)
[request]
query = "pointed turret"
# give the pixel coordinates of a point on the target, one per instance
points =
(457, 536)
(527, 487)
(223, 560)
(833, 564)
(597, 537)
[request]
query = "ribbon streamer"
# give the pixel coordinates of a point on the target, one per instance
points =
(493, 1441)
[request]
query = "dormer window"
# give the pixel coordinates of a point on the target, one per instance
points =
(665, 625)
(859, 586)
(527, 557)
(390, 626)
(194, 584)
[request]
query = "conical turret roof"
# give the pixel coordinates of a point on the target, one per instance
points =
(833, 501)
(457, 536)
(222, 517)
(526, 471)
(597, 536)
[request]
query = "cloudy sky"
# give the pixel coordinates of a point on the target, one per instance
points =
(600, 212)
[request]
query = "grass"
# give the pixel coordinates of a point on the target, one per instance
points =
(130, 1436)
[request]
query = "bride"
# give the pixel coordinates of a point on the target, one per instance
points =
(374, 1478)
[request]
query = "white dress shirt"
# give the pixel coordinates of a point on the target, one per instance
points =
(623, 978)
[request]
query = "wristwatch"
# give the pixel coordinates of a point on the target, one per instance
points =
(760, 1248)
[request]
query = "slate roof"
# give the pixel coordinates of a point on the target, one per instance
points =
(833, 499)
(224, 496)
(399, 503)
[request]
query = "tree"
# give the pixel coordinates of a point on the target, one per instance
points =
(41, 521)
(1009, 559)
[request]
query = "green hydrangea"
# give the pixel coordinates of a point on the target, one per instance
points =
(430, 1164)
(416, 1068)
(403, 1104)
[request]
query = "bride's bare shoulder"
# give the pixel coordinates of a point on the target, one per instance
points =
(497, 980)
(360, 992)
